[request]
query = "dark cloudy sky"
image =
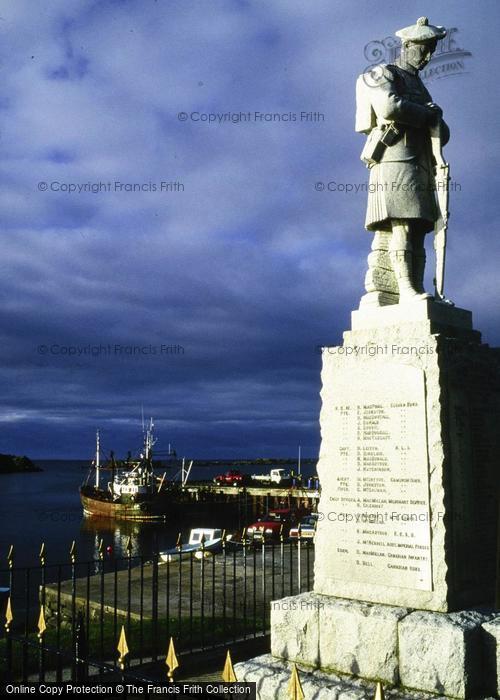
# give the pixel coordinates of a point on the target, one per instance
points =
(245, 265)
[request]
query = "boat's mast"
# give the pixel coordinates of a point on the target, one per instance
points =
(149, 442)
(146, 445)
(97, 460)
(185, 472)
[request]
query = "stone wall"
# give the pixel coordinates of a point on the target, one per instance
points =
(450, 654)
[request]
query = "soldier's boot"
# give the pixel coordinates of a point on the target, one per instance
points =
(402, 264)
(418, 262)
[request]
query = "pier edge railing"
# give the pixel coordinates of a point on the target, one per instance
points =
(64, 621)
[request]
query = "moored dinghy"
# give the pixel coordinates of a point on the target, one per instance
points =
(201, 540)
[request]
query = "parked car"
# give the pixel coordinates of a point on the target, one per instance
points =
(270, 526)
(275, 476)
(232, 477)
(307, 527)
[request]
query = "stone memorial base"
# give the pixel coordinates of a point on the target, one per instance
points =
(409, 461)
(272, 677)
(348, 645)
(406, 544)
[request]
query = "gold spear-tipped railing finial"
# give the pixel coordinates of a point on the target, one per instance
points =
(8, 616)
(295, 691)
(100, 549)
(10, 556)
(42, 625)
(42, 554)
(228, 673)
(122, 649)
(171, 660)
(128, 547)
(178, 544)
(379, 692)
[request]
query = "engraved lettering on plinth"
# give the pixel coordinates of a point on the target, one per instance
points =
(379, 513)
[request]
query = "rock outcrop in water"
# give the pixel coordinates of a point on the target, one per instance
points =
(11, 464)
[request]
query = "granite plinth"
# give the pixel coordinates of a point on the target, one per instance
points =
(406, 543)
(336, 634)
(492, 656)
(409, 461)
(272, 677)
(448, 654)
(436, 314)
(445, 653)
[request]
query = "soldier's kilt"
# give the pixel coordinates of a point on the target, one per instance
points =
(401, 190)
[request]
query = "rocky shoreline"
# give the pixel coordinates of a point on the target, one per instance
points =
(12, 464)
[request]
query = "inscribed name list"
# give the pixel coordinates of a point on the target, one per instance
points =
(379, 505)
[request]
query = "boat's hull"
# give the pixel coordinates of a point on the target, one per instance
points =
(151, 508)
(213, 546)
(169, 504)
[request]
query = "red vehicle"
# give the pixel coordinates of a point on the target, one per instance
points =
(276, 522)
(231, 478)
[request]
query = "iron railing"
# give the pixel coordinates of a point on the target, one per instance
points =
(64, 621)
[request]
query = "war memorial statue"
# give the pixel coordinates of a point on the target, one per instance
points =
(406, 132)
(406, 585)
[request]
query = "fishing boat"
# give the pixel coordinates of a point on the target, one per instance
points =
(128, 489)
(201, 541)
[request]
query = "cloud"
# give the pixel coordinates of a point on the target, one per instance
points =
(248, 267)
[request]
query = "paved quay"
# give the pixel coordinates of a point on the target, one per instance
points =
(235, 583)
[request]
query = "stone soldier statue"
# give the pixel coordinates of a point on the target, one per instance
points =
(397, 113)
